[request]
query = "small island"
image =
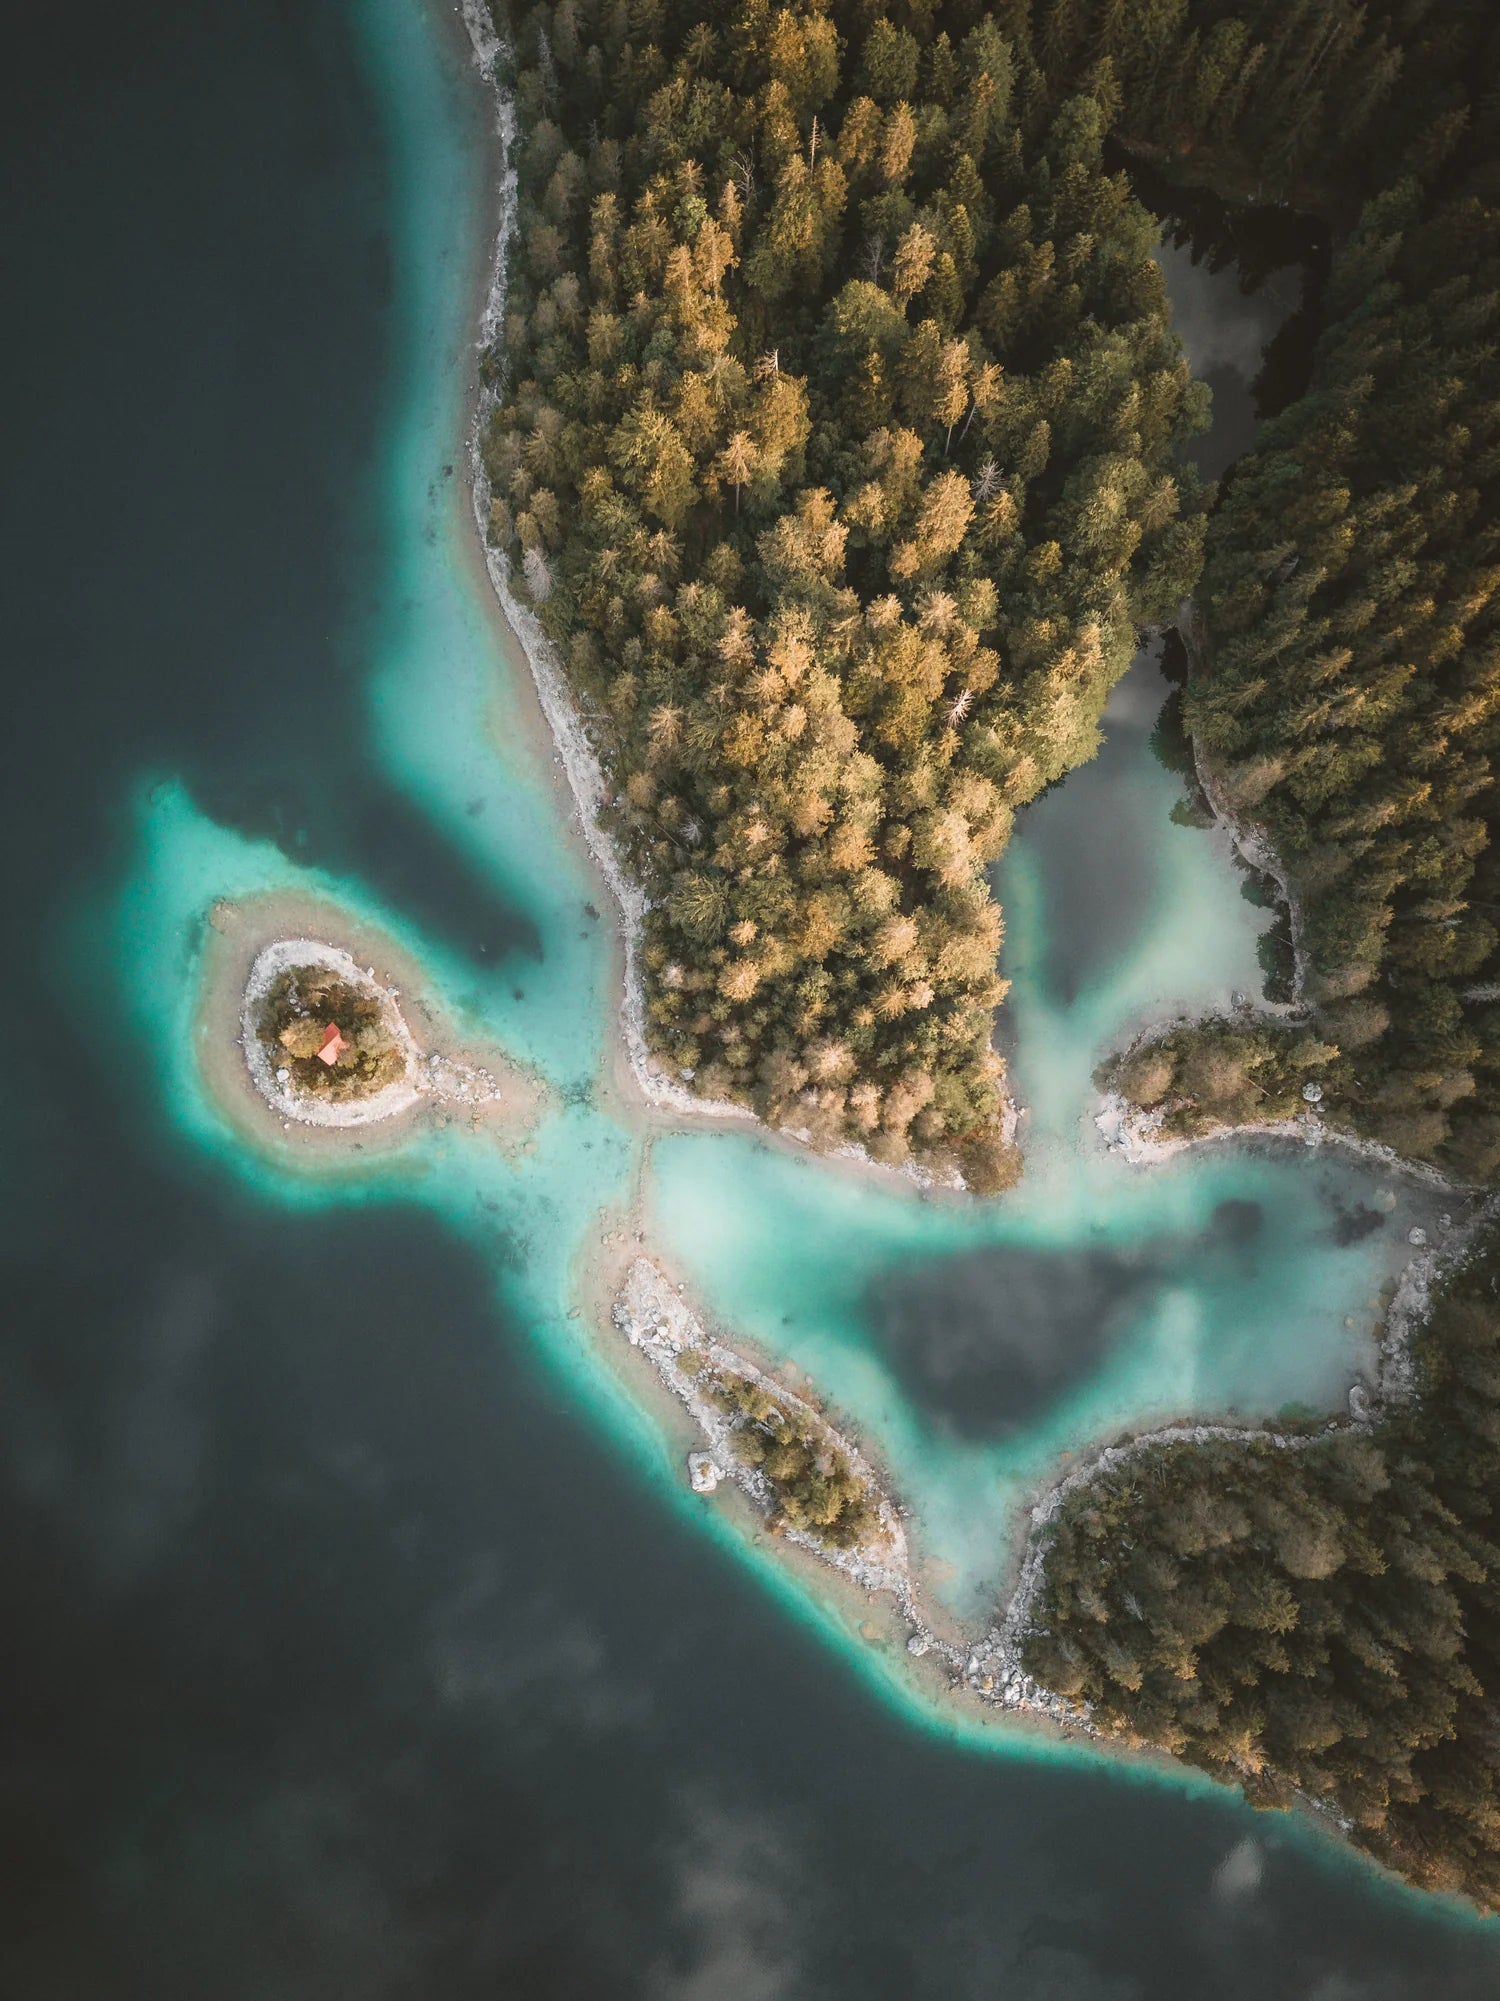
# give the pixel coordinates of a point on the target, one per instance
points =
(815, 1487)
(323, 1040)
(304, 1037)
(811, 1483)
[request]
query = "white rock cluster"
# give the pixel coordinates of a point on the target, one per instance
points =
(703, 1472)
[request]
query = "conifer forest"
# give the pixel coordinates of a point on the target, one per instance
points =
(839, 439)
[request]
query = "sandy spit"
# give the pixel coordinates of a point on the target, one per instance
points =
(657, 1319)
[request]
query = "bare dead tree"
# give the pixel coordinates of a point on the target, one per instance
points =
(987, 481)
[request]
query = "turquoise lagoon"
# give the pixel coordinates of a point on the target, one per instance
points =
(974, 1344)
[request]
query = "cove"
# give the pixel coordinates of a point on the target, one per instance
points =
(978, 1343)
(971, 1345)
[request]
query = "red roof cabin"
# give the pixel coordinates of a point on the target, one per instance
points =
(333, 1042)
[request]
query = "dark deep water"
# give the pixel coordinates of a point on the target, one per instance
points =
(343, 1660)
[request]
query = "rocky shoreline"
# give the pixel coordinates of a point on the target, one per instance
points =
(426, 1075)
(1248, 841)
(1135, 1133)
(1409, 1308)
(655, 1318)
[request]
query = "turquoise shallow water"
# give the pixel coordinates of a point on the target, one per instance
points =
(978, 1342)
(976, 1345)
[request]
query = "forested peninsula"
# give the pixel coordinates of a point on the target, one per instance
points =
(839, 450)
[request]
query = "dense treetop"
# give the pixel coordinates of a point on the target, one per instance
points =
(838, 451)
(1351, 680)
(1322, 1621)
(838, 447)
(1346, 681)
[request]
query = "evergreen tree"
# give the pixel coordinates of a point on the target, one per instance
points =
(1318, 1620)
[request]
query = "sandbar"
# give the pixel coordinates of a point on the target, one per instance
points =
(451, 1078)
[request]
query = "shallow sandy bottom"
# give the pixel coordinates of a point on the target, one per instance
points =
(237, 932)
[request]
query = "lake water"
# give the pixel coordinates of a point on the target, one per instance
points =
(364, 1639)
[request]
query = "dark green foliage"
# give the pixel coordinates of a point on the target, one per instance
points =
(1349, 682)
(1322, 1621)
(1325, 1621)
(1317, 99)
(817, 1489)
(1347, 678)
(298, 1008)
(1227, 1073)
(838, 454)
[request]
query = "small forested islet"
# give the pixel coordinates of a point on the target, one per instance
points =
(814, 1485)
(294, 1015)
